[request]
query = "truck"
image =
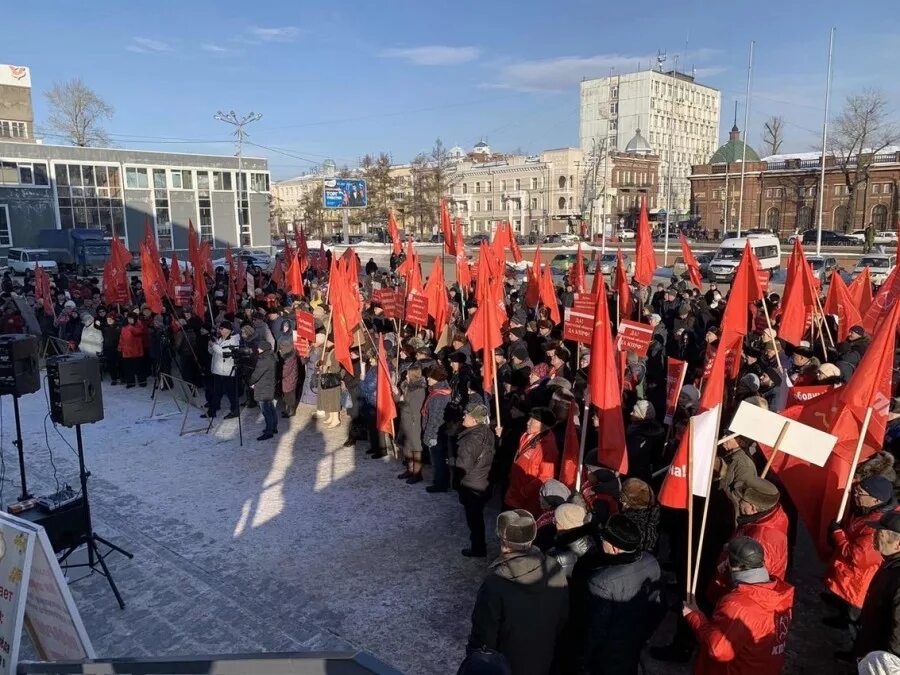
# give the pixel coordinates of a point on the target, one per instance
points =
(80, 250)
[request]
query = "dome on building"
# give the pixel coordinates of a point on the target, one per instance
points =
(733, 150)
(639, 144)
(481, 148)
(456, 152)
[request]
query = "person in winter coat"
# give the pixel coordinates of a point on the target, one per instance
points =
(572, 539)
(879, 620)
(410, 401)
(761, 518)
(91, 336)
(522, 605)
(433, 430)
(288, 359)
(855, 559)
(534, 463)
(475, 454)
(223, 371)
(112, 359)
(131, 347)
(639, 505)
(644, 439)
(748, 631)
(262, 381)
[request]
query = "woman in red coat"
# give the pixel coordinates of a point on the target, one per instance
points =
(131, 346)
(534, 464)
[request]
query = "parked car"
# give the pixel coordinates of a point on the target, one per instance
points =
(880, 266)
(608, 263)
(626, 233)
(885, 237)
(822, 266)
(21, 259)
(829, 238)
(568, 238)
(679, 269)
(725, 261)
(256, 258)
(859, 235)
(476, 239)
(437, 238)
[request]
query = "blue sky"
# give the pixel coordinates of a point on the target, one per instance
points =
(342, 79)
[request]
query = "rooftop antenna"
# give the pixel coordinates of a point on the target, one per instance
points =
(660, 59)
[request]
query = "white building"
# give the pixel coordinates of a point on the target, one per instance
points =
(614, 108)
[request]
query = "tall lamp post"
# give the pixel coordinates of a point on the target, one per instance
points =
(239, 123)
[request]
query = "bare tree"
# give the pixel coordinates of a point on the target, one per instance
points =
(773, 134)
(77, 112)
(862, 130)
(380, 186)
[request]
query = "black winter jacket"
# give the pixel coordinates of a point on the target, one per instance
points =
(879, 622)
(263, 377)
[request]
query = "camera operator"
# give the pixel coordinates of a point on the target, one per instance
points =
(223, 371)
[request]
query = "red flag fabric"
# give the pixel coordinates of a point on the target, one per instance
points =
(231, 305)
(860, 290)
(303, 252)
(150, 239)
(576, 275)
(175, 277)
(446, 229)
(676, 489)
(798, 302)
(548, 294)
(816, 491)
(605, 391)
(42, 288)
(294, 276)
(691, 261)
(645, 257)
(198, 265)
(514, 247)
(241, 280)
(154, 285)
(626, 304)
(598, 276)
(436, 292)
(463, 273)
(533, 276)
(278, 275)
(206, 259)
(115, 276)
(839, 303)
(385, 408)
(484, 330)
(394, 233)
(745, 289)
(342, 318)
(568, 467)
(884, 300)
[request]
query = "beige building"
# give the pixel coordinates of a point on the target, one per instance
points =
(290, 198)
(540, 194)
(16, 111)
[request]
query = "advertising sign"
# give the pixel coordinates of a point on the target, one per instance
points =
(634, 337)
(306, 325)
(578, 327)
(417, 309)
(345, 193)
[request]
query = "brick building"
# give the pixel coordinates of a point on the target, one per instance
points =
(634, 174)
(781, 191)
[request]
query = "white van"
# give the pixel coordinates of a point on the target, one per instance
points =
(766, 248)
(21, 259)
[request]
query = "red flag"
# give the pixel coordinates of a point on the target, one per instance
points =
(198, 265)
(446, 229)
(797, 305)
(385, 408)
(484, 330)
(150, 239)
(342, 314)
(676, 490)
(514, 247)
(548, 294)
(816, 491)
(860, 290)
(231, 305)
(463, 273)
(626, 304)
(278, 275)
(568, 469)
(883, 301)
(576, 274)
(42, 288)
(154, 284)
(691, 261)
(294, 276)
(394, 233)
(744, 290)
(533, 276)
(175, 278)
(206, 259)
(115, 276)
(241, 280)
(839, 303)
(436, 291)
(605, 391)
(645, 257)
(504, 240)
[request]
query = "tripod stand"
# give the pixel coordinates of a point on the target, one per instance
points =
(91, 539)
(18, 443)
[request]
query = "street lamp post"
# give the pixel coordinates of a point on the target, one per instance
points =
(239, 133)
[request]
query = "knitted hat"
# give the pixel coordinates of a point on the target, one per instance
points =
(479, 412)
(554, 493)
(878, 487)
(516, 527)
(745, 553)
(569, 516)
(621, 533)
(643, 410)
(757, 491)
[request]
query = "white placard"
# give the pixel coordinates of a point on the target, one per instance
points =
(705, 428)
(800, 440)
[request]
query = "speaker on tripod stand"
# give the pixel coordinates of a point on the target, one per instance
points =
(76, 398)
(20, 374)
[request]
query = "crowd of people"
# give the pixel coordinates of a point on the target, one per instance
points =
(590, 562)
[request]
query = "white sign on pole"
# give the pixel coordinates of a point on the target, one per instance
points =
(34, 593)
(800, 440)
(703, 445)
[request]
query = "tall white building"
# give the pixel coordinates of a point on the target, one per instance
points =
(678, 116)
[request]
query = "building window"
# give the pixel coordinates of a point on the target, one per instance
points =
(465, 188)
(773, 220)
(23, 173)
(562, 202)
(876, 188)
(534, 203)
(804, 217)
(206, 221)
(879, 217)
(161, 211)
(90, 197)
(477, 206)
(489, 205)
(614, 92)
(534, 183)
(518, 184)
(502, 186)
(562, 182)
(5, 229)
(134, 178)
(203, 181)
(259, 182)
(489, 187)
(613, 108)
(222, 181)
(10, 129)
(840, 220)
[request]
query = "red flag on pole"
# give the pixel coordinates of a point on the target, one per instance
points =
(294, 276)
(744, 290)
(691, 261)
(568, 469)
(645, 257)
(839, 303)
(446, 229)
(626, 304)
(484, 330)
(42, 289)
(394, 233)
(115, 276)
(533, 276)
(463, 273)
(576, 275)
(436, 292)
(175, 277)
(798, 302)
(605, 390)
(860, 290)
(548, 294)
(154, 284)
(385, 408)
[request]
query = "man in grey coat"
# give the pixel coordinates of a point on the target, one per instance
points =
(474, 456)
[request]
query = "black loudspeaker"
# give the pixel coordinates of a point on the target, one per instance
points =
(73, 381)
(20, 368)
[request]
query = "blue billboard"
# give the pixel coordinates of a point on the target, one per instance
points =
(345, 193)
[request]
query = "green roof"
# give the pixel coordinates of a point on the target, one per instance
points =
(733, 151)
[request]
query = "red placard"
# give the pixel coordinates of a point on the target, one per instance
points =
(390, 300)
(417, 309)
(184, 295)
(675, 372)
(634, 337)
(584, 304)
(306, 324)
(302, 346)
(578, 327)
(802, 395)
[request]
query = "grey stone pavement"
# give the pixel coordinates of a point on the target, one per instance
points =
(295, 544)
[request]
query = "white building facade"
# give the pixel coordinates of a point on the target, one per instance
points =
(678, 116)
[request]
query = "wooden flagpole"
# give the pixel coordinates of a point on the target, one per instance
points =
(775, 448)
(703, 519)
(496, 386)
(859, 445)
(765, 307)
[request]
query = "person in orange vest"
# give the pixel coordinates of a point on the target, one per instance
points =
(535, 462)
(855, 559)
(747, 633)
